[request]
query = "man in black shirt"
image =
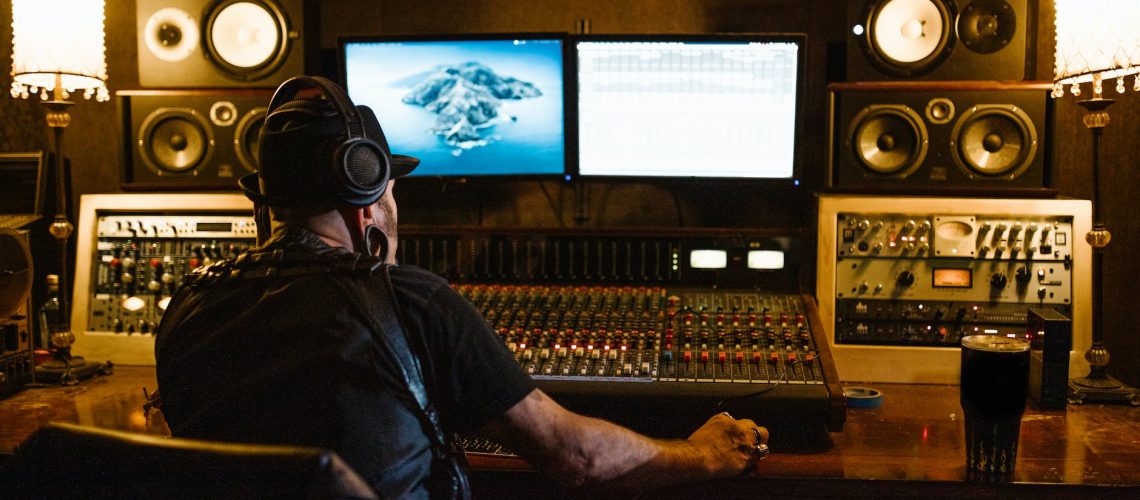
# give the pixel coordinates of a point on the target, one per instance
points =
(316, 338)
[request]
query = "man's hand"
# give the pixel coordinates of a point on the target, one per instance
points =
(730, 445)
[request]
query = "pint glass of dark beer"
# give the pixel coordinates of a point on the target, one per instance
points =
(995, 379)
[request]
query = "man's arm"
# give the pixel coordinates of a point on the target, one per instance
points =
(580, 450)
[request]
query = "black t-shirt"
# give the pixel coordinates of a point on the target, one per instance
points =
(291, 360)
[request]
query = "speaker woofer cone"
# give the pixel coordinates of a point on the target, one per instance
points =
(248, 40)
(177, 141)
(993, 141)
(246, 138)
(907, 38)
(888, 140)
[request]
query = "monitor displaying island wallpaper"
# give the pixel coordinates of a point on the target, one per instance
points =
(472, 105)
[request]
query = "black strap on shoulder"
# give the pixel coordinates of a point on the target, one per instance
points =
(383, 313)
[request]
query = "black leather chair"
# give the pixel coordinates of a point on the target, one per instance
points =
(72, 461)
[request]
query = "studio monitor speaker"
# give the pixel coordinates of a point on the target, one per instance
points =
(940, 40)
(190, 139)
(940, 138)
(225, 43)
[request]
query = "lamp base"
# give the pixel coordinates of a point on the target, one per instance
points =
(69, 369)
(1102, 389)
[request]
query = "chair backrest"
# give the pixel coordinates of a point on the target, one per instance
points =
(71, 461)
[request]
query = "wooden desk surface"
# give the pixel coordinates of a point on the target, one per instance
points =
(915, 440)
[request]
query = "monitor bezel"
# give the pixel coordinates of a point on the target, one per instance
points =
(800, 39)
(569, 138)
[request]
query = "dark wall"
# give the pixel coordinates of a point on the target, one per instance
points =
(92, 141)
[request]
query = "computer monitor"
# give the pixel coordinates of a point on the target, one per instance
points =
(710, 106)
(470, 105)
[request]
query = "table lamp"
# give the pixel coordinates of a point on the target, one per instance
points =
(58, 50)
(1098, 43)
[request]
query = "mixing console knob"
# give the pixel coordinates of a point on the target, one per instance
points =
(878, 225)
(908, 226)
(924, 226)
(1016, 229)
(1022, 275)
(153, 286)
(863, 286)
(877, 248)
(923, 248)
(909, 247)
(998, 280)
(1041, 292)
(864, 225)
(905, 278)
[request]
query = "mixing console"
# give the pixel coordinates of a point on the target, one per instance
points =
(662, 360)
(639, 334)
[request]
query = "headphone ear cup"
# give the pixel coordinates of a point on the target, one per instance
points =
(364, 170)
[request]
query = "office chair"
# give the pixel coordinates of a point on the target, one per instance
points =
(72, 461)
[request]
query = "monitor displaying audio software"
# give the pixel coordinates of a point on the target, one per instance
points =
(716, 106)
(471, 105)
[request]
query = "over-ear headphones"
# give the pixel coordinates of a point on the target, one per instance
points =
(310, 153)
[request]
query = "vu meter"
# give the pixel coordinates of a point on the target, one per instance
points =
(902, 279)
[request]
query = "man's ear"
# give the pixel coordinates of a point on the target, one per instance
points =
(354, 222)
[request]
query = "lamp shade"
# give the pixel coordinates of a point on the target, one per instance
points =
(1096, 40)
(58, 40)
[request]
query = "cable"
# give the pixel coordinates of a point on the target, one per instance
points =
(772, 385)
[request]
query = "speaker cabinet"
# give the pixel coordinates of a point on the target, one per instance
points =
(941, 40)
(183, 139)
(940, 138)
(226, 43)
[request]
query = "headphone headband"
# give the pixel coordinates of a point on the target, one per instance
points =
(289, 90)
